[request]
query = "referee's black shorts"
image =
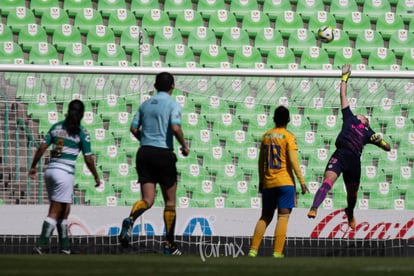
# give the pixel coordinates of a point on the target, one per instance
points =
(156, 165)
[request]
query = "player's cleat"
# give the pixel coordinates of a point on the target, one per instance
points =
(38, 250)
(65, 251)
(125, 235)
(312, 213)
(278, 255)
(351, 219)
(172, 249)
(252, 253)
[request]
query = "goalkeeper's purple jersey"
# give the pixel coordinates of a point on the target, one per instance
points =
(354, 135)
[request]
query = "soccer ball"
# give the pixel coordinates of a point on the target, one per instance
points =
(326, 34)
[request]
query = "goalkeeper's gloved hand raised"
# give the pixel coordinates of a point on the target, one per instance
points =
(376, 138)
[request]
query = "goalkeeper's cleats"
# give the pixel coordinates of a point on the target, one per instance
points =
(125, 235)
(172, 249)
(351, 219)
(278, 255)
(312, 213)
(252, 253)
(65, 251)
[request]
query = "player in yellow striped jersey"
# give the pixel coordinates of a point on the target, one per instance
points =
(278, 162)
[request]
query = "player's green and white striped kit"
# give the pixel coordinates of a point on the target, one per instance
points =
(59, 175)
(66, 148)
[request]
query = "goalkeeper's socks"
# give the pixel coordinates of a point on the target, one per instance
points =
(138, 209)
(62, 228)
(48, 226)
(321, 194)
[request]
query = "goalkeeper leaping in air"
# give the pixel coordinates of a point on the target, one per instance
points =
(354, 135)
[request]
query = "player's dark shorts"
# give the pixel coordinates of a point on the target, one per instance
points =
(278, 197)
(346, 162)
(156, 165)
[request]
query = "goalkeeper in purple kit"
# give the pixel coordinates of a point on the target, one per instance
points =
(346, 159)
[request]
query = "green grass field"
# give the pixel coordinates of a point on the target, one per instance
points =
(139, 265)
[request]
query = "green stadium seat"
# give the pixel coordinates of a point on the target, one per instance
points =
(106, 7)
(348, 55)
(404, 9)
(213, 56)
(140, 7)
(39, 106)
(43, 53)
(254, 22)
(19, 17)
(101, 196)
(356, 24)
(247, 56)
(130, 38)
(288, 23)
(207, 7)
(112, 155)
(274, 9)
(401, 42)
(187, 21)
(280, 57)
(112, 55)
(150, 54)
(307, 9)
(389, 23)
(64, 88)
(87, 20)
(97, 88)
(119, 123)
(200, 39)
(376, 9)
(382, 59)
(178, 55)
(8, 6)
(121, 20)
(110, 106)
(78, 54)
(407, 60)
(153, 21)
(242, 8)
(65, 36)
(97, 39)
(120, 177)
(175, 7)
(368, 42)
(300, 40)
(233, 39)
(166, 37)
(342, 9)
(28, 86)
(319, 19)
(30, 35)
(39, 7)
(314, 58)
(341, 40)
(266, 40)
(73, 7)
(6, 33)
(54, 19)
(220, 21)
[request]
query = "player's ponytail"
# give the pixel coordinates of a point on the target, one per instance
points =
(74, 117)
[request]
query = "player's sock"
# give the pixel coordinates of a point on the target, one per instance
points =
(139, 207)
(280, 233)
(48, 226)
(62, 228)
(169, 220)
(258, 234)
(321, 193)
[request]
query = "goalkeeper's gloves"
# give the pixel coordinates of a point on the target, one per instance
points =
(376, 138)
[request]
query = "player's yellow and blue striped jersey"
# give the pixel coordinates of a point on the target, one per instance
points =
(66, 148)
(275, 168)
